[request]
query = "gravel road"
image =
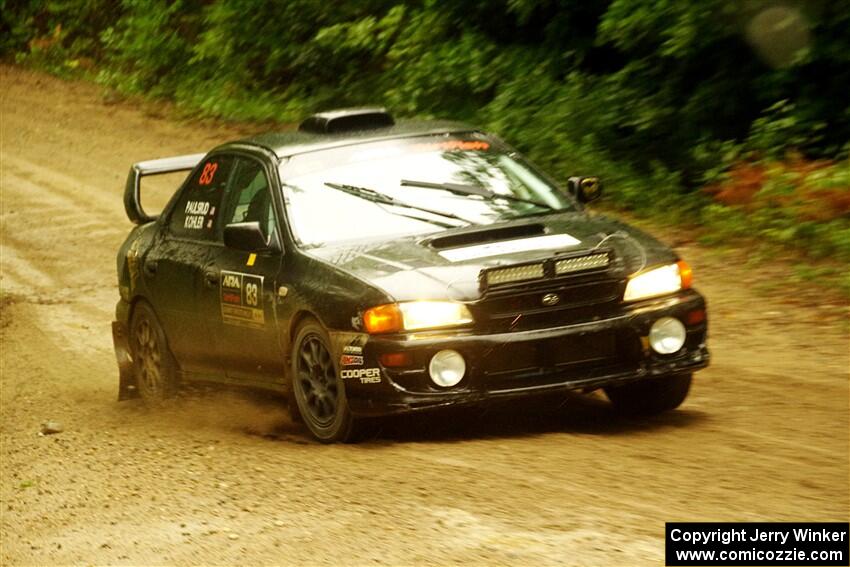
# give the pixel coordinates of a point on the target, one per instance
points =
(224, 478)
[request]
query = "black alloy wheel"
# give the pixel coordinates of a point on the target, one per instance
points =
(317, 389)
(317, 379)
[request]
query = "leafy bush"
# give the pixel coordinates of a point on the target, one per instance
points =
(794, 202)
(658, 97)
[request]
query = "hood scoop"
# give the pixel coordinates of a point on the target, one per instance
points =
(485, 236)
(487, 243)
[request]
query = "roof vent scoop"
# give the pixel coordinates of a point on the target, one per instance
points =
(347, 120)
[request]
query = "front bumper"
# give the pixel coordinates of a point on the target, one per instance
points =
(582, 356)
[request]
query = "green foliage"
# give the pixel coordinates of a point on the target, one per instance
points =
(780, 128)
(659, 97)
(60, 36)
(140, 65)
(806, 207)
(650, 81)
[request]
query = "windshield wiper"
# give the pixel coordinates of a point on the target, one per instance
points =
(460, 189)
(384, 199)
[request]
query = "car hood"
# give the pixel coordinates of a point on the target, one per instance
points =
(446, 265)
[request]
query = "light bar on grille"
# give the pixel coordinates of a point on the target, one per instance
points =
(515, 274)
(580, 263)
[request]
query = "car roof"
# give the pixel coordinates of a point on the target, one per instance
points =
(288, 143)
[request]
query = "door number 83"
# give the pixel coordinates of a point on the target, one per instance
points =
(241, 290)
(251, 294)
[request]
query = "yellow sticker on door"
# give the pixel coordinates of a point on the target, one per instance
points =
(251, 259)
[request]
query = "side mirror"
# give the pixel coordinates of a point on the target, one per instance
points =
(585, 189)
(247, 236)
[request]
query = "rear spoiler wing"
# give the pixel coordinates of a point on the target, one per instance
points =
(132, 191)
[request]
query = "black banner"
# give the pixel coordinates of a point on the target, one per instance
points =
(757, 543)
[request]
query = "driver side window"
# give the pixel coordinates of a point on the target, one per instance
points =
(250, 197)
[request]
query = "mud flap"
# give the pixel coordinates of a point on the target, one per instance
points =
(126, 380)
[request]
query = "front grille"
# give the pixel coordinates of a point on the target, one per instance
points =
(578, 374)
(578, 301)
(551, 353)
(560, 359)
(592, 349)
(559, 291)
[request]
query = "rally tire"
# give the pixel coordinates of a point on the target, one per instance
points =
(317, 389)
(650, 397)
(154, 366)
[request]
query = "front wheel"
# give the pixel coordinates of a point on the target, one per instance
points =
(317, 389)
(649, 397)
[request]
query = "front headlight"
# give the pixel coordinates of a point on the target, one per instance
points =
(433, 314)
(415, 316)
(659, 281)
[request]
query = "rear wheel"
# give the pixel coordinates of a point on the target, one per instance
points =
(317, 389)
(153, 364)
(649, 397)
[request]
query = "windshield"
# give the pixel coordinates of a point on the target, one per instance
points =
(433, 183)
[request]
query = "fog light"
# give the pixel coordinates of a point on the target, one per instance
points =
(447, 368)
(667, 335)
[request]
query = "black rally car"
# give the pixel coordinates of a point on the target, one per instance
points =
(367, 268)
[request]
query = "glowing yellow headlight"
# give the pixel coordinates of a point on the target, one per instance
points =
(415, 316)
(660, 281)
(434, 314)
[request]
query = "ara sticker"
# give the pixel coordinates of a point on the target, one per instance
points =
(365, 375)
(351, 360)
(242, 299)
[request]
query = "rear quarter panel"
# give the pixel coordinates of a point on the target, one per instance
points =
(129, 261)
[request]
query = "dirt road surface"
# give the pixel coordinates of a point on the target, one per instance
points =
(219, 478)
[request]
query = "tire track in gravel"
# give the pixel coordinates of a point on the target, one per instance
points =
(71, 191)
